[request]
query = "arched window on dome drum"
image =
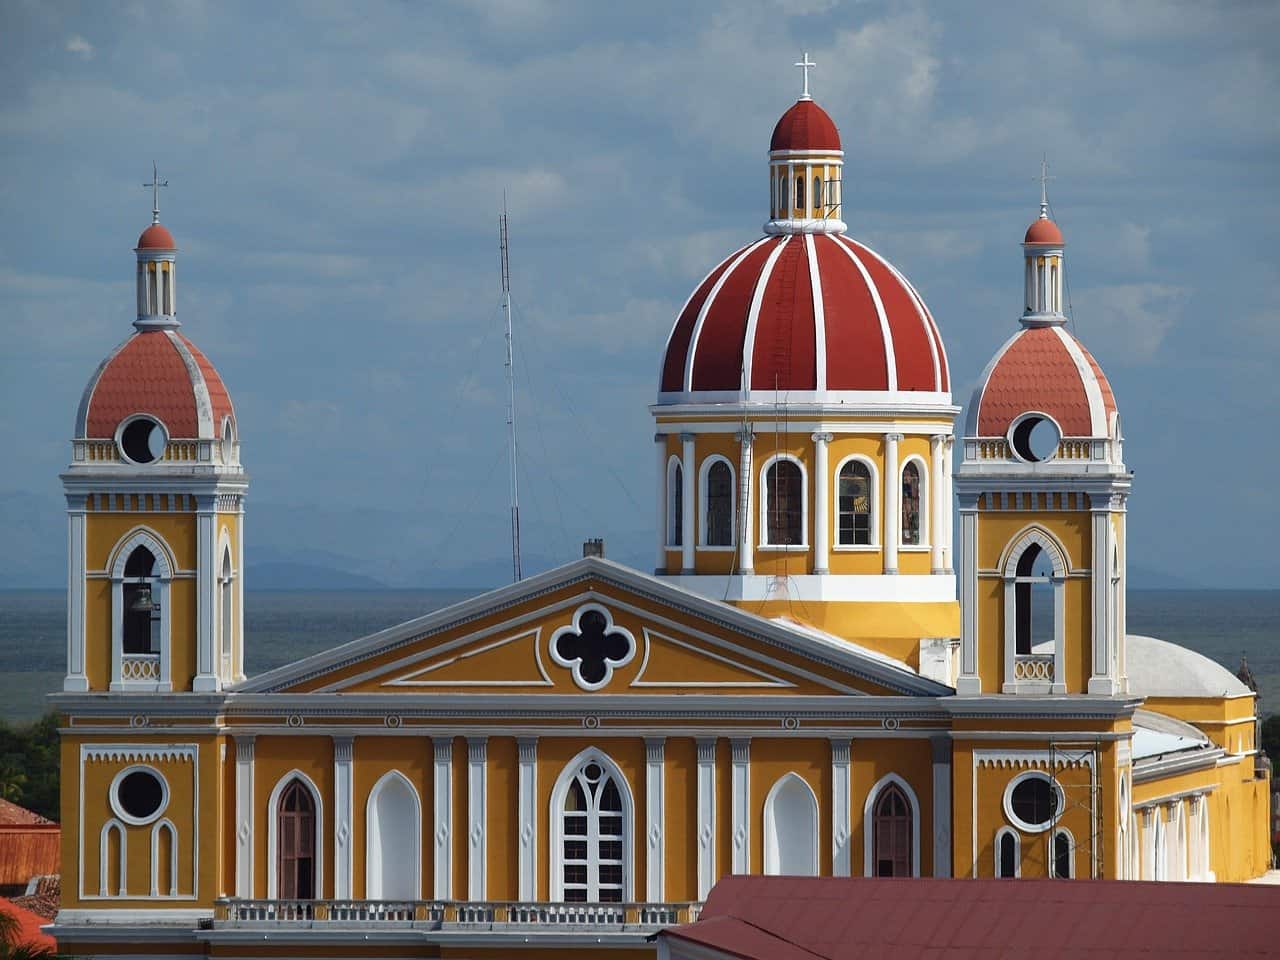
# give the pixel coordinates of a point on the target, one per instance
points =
(800, 195)
(675, 503)
(1007, 854)
(782, 194)
(911, 504)
(817, 196)
(296, 847)
(854, 505)
(892, 825)
(1033, 601)
(785, 513)
(773, 196)
(141, 615)
(719, 521)
(593, 837)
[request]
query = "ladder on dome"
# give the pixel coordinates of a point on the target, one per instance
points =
(1086, 796)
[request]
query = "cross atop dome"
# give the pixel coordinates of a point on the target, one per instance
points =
(805, 64)
(155, 185)
(1044, 179)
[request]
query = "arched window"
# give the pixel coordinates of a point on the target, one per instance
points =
(817, 196)
(791, 828)
(718, 505)
(164, 860)
(296, 843)
(782, 195)
(675, 503)
(854, 505)
(892, 825)
(1008, 853)
(141, 623)
(113, 865)
(225, 621)
(784, 498)
(1034, 614)
(393, 854)
(1063, 862)
(592, 808)
(912, 506)
(800, 194)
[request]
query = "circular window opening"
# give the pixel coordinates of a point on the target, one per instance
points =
(1032, 802)
(1035, 438)
(143, 440)
(140, 795)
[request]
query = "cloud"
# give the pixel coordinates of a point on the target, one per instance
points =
(1129, 321)
(80, 46)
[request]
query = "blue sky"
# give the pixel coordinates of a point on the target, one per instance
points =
(336, 171)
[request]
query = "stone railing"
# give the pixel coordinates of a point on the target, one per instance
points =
(140, 666)
(453, 914)
(1033, 667)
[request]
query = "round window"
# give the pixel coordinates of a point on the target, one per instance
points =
(143, 440)
(1035, 437)
(1032, 802)
(139, 795)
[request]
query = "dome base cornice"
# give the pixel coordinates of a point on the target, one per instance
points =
(815, 225)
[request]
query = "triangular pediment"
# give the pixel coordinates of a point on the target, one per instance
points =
(595, 627)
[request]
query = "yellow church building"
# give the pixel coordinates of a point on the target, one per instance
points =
(817, 678)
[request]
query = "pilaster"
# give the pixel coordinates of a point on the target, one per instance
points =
(688, 527)
(841, 796)
(206, 678)
(937, 490)
(655, 818)
(821, 504)
(527, 754)
(76, 680)
(1102, 676)
(660, 514)
(244, 824)
(477, 816)
(343, 817)
(706, 816)
(746, 516)
(968, 683)
(442, 783)
(941, 806)
(892, 503)
(740, 803)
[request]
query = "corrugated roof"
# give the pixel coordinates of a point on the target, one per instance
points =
(843, 919)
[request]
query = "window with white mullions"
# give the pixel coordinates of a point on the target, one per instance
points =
(854, 505)
(593, 838)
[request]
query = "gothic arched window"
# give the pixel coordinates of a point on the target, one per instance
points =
(800, 194)
(141, 620)
(911, 504)
(225, 620)
(675, 503)
(892, 828)
(1062, 865)
(854, 505)
(594, 836)
(296, 843)
(784, 494)
(719, 506)
(817, 196)
(1007, 854)
(1034, 611)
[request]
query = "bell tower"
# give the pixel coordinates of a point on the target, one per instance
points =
(1042, 487)
(155, 506)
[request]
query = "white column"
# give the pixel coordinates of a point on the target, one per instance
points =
(527, 752)
(948, 501)
(238, 599)
(892, 503)
(660, 516)
(655, 817)
(746, 510)
(244, 826)
(937, 489)
(1010, 587)
(941, 806)
(477, 816)
(343, 819)
(76, 680)
(739, 804)
(1102, 678)
(206, 594)
(443, 835)
(1122, 614)
(1059, 684)
(706, 816)
(689, 530)
(117, 633)
(841, 792)
(821, 504)
(968, 681)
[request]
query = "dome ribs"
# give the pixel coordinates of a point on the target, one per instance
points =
(855, 342)
(1036, 372)
(783, 356)
(913, 346)
(718, 349)
(682, 333)
(219, 398)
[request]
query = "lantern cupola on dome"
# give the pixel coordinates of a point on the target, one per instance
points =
(157, 268)
(805, 160)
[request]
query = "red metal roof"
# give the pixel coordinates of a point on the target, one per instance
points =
(806, 126)
(805, 313)
(156, 237)
(1044, 231)
(149, 373)
(771, 918)
(1047, 370)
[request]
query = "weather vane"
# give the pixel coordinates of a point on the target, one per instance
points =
(155, 185)
(805, 64)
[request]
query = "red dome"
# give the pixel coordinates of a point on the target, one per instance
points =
(1046, 370)
(805, 126)
(820, 314)
(1044, 231)
(159, 372)
(156, 237)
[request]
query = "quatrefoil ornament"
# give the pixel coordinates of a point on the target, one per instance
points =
(591, 646)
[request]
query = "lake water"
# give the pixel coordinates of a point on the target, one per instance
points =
(286, 626)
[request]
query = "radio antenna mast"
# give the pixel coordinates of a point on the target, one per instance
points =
(511, 396)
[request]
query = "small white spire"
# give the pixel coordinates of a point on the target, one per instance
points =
(155, 185)
(1044, 179)
(805, 64)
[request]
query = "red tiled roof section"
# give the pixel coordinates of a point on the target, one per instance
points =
(156, 237)
(219, 398)
(806, 126)
(853, 918)
(784, 352)
(28, 932)
(13, 815)
(1036, 372)
(1043, 231)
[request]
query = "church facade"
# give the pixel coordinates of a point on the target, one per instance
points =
(817, 678)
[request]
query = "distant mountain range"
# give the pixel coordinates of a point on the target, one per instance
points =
(293, 547)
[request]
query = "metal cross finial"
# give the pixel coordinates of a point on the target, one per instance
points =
(1044, 179)
(155, 185)
(805, 64)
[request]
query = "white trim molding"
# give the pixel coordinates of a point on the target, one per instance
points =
(873, 494)
(926, 491)
(244, 823)
(442, 835)
(655, 817)
(560, 791)
(763, 505)
(477, 817)
(740, 803)
(1014, 662)
(343, 817)
(1003, 832)
(942, 806)
(704, 492)
(527, 819)
(1007, 801)
(774, 826)
(706, 823)
(410, 846)
(841, 798)
(868, 823)
(162, 576)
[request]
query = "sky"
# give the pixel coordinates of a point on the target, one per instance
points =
(336, 172)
